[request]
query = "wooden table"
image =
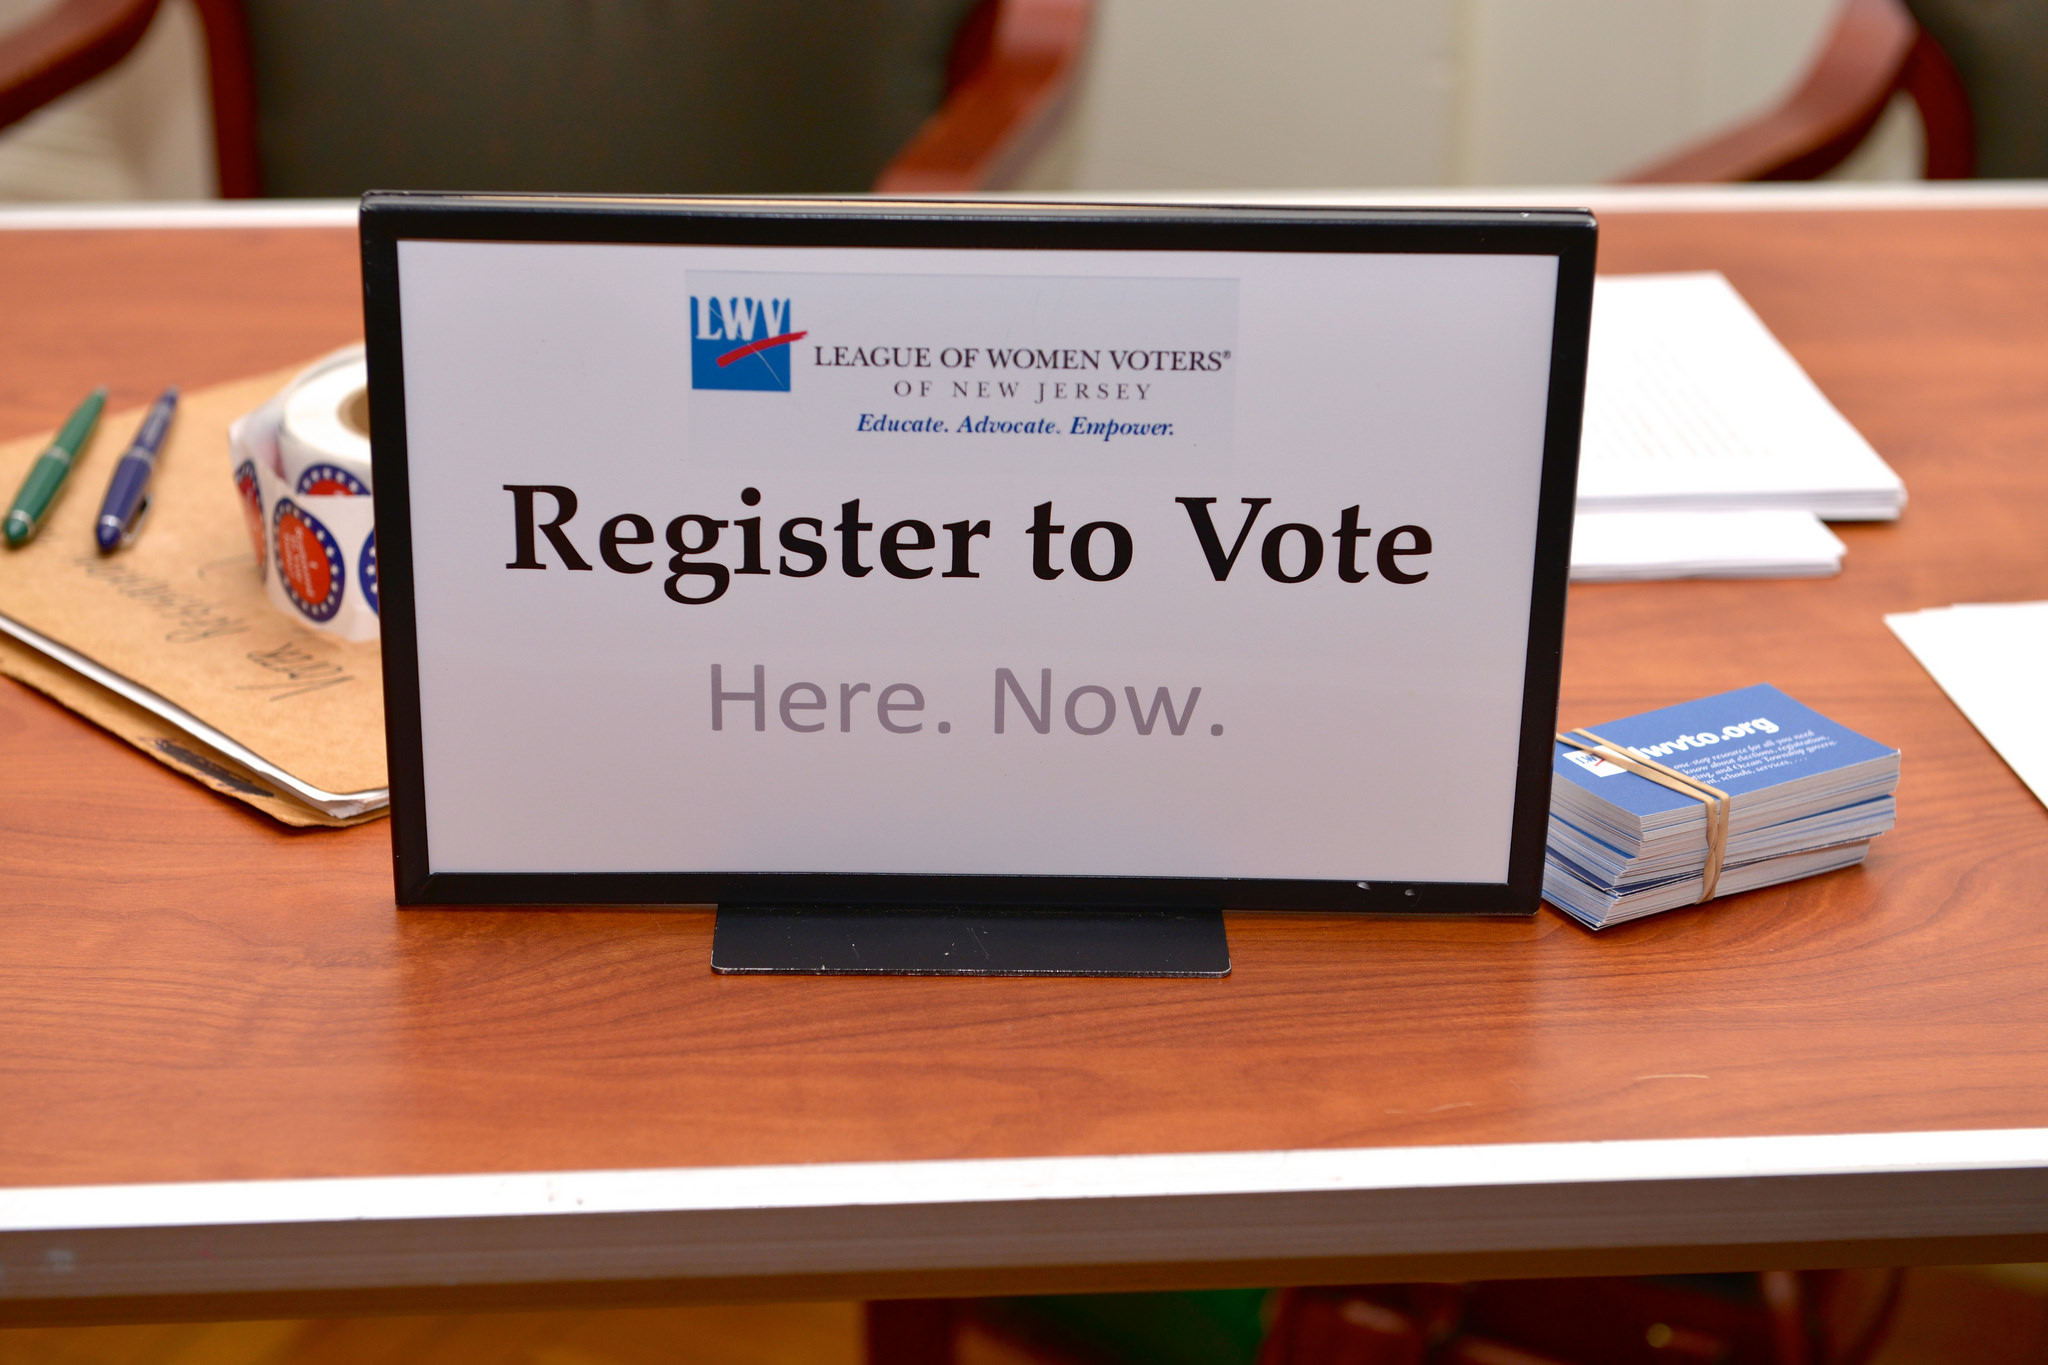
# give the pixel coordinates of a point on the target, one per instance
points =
(235, 1080)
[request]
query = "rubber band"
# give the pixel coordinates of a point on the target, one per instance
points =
(1717, 801)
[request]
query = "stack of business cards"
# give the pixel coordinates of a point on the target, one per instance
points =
(1633, 832)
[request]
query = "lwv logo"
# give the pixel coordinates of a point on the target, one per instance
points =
(739, 343)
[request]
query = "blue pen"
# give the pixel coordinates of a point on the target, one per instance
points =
(128, 491)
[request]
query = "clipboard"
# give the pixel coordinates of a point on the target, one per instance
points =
(170, 643)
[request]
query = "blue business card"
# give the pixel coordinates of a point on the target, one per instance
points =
(1741, 742)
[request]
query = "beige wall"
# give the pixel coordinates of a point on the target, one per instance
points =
(1191, 94)
(1195, 94)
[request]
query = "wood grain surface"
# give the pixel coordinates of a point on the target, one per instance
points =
(190, 992)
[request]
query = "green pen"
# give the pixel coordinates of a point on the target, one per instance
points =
(48, 473)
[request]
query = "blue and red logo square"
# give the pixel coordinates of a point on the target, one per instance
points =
(740, 343)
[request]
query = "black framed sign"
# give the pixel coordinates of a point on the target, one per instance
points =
(864, 552)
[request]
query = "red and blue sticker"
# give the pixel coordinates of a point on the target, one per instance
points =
(330, 480)
(309, 561)
(366, 572)
(252, 506)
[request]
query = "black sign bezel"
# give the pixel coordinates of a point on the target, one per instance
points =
(390, 218)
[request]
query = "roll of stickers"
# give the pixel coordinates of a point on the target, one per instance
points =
(323, 443)
(302, 470)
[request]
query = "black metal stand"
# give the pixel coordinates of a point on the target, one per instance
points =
(969, 940)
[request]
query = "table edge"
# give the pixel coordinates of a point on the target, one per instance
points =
(877, 1229)
(1825, 196)
(971, 1181)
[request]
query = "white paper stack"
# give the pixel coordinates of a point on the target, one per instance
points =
(1692, 404)
(1992, 660)
(1693, 407)
(1612, 546)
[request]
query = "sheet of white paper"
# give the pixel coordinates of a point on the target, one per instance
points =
(1692, 403)
(1609, 546)
(1991, 659)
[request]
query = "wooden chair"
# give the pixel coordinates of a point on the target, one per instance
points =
(998, 74)
(1815, 1317)
(1876, 49)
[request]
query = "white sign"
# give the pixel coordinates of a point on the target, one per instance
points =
(855, 560)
